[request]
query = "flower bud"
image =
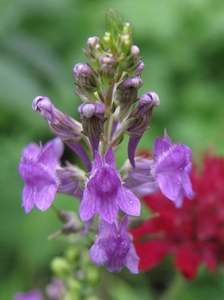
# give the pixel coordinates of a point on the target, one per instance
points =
(126, 94)
(95, 49)
(127, 28)
(72, 254)
(114, 23)
(92, 275)
(138, 121)
(60, 267)
(125, 43)
(74, 286)
(134, 50)
(87, 78)
(92, 116)
(131, 62)
(60, 124)
(72, 223)
(107, 69)
(139, 69)
(142, 114)
(65, 127)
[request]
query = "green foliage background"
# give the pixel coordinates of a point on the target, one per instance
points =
(182, 45)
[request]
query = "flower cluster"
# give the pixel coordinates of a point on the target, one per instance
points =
(194, 233)
(108, 88)
(31, 295)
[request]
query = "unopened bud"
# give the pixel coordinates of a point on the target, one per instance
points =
(107, 69)
(139, 68)
(138, 121)
(92, 115)
(93, 41)
(125, 44)
(60, 267)
(134, 50)
(127, 28)
(126, 94)
(87, 78)
(60, 124)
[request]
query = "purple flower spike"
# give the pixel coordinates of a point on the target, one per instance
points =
(172, 164)
(31, 295)
(104, 192)
(38, 170)
(113, 247)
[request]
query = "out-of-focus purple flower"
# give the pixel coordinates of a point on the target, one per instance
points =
(104, 192)
(171, 166)
(63, 126)
(31, 295)
(113, 247)
(38, 170)
(56, 289)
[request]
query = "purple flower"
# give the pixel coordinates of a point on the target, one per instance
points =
(113, 247)
(139, 179)
(56, 289)
(71, 180)
(104, 192)
(38, 170)
(171, 168)
(31, 295)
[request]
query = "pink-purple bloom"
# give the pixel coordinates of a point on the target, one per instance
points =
(168, 171)
(104, 192)
(38, 171)
(113, 247)
(31, 295)
(171, 167)
(56, 289)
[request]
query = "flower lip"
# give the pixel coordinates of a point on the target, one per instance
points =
(109, 181)
(104, 192)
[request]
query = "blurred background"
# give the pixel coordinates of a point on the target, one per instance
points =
(182, 45)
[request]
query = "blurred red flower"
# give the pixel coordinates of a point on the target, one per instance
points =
(194, 233)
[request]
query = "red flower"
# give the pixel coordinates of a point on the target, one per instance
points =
(194, 233)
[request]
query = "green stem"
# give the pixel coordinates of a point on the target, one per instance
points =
(109, 122)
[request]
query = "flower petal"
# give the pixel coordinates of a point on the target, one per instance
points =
(160, 147)
(97, 254)
(45, 196)
(109, 158)
(132, 260)
(169, 185)
(28, 198)
(48, 157)
(87, 207)
(128, 202)
(108, 208)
